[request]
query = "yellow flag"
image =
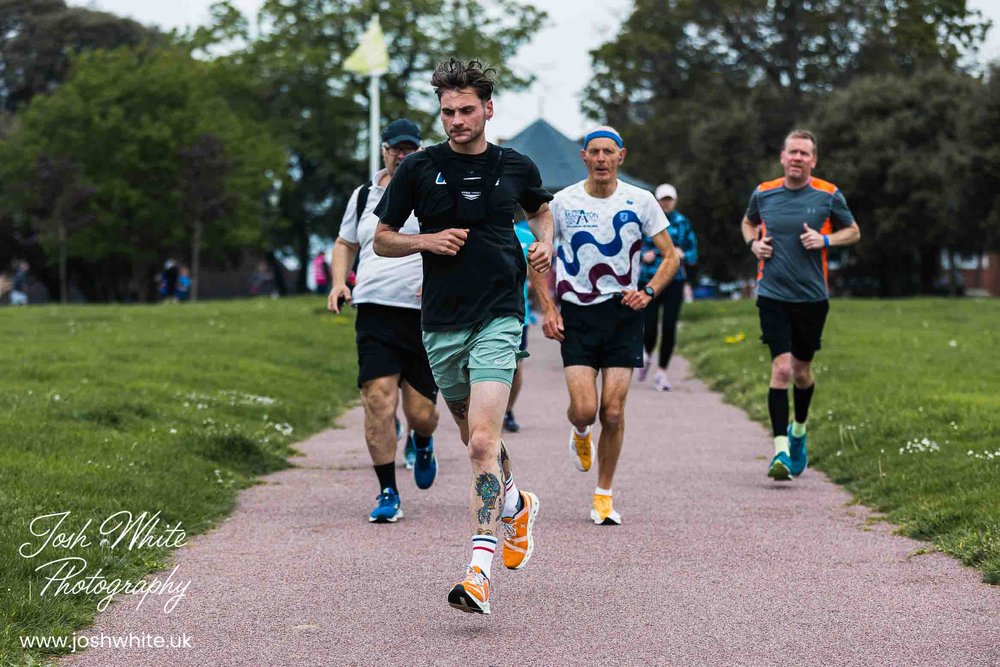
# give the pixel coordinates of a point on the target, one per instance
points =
(371, 57)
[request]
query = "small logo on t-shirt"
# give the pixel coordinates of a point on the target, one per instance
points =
(580, 218)
(471, 196)
(440, 179)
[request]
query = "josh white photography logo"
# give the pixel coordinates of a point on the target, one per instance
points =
(70, 575)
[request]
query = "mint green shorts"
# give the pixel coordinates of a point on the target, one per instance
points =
(487, 352)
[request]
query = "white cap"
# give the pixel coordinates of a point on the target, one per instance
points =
(665, 190)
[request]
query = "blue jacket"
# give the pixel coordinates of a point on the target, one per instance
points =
(683, 237)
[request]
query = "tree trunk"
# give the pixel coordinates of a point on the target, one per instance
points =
(952, 273)
(196, 258)
(63, 283)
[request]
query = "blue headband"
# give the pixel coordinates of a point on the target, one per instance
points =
(607, 134)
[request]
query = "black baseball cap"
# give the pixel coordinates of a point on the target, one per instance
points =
(401, 130)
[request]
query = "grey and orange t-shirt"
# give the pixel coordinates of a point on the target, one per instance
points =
(793, 273)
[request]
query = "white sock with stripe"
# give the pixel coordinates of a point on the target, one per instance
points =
(511, 496)
(483, 547)
(602, 492)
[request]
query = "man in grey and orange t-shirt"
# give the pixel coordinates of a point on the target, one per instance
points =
(789, 225)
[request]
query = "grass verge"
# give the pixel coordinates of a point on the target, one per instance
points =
(906, 412)
(169, 409)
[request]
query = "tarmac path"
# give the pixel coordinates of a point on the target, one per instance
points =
(714, 564)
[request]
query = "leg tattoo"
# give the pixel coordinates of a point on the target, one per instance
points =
(459, 408)
(488, 488)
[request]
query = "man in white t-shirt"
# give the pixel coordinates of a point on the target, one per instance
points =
(599, 225)
(391, 354)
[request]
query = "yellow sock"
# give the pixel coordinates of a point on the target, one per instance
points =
(798, 430)
(781, 445)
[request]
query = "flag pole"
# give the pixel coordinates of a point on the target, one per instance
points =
(374, 111)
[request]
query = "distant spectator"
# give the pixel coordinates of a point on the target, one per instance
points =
(19, 286)
(321, 273)
(262, 280)
(278, 271)
(184, 284)
(168, 285)
(669, 301)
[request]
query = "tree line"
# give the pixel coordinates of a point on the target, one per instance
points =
(122, 145)
(906, 122)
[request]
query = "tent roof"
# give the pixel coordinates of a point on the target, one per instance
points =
(557, 156)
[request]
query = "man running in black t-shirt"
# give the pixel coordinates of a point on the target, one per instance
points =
(465, 193)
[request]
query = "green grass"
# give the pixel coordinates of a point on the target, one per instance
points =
(148, 408)
(890, 374)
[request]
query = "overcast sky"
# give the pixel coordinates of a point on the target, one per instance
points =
(559, 54)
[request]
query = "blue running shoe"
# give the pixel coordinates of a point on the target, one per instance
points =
(425, 469)
(780, 469)
(797, 453)
(409, 453)
(388, 509)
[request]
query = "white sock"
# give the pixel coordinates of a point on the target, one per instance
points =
(582, 433)
(511, 495)
(781, 444)
(483, 547)
(602, 492)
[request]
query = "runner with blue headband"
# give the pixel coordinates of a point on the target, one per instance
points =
(599, 226)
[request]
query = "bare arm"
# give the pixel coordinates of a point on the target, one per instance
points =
(638, 299)
(540, 252)
(668, 267)
(760, 247)
(343, 257)
(552, 321)
(344, 253)
(813, 240)
(390, 242)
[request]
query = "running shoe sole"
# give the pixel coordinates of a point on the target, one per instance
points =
(460, 599)
(779, 472)
(608, 520)
(531, 525)
(398, 515)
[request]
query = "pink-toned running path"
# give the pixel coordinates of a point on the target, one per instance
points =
(714, 565)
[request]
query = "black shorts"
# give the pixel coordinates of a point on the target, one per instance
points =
(606, 335)
(792, 327)
(389, 343)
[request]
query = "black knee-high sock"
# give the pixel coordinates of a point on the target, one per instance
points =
(777, 407)
(386, 476)
(802, 398)
(421, 441)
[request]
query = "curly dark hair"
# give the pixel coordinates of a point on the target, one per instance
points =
(453, 74)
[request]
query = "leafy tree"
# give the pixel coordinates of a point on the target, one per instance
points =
(39, 37)
(129, 126)
(706, 90)
(289, 62)
(894, 146)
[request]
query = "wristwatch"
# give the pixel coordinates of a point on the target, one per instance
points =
(649, 290)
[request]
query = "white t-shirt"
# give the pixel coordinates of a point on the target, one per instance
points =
(599, 240)
(387, 281)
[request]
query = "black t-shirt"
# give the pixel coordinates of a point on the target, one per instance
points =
(485, 280)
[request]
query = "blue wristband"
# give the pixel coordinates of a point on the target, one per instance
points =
(826, 241)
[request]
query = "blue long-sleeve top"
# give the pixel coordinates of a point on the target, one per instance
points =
(683, 237)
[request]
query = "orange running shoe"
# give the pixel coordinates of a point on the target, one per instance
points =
(581, 447)
(472, 594)
(517, 541)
